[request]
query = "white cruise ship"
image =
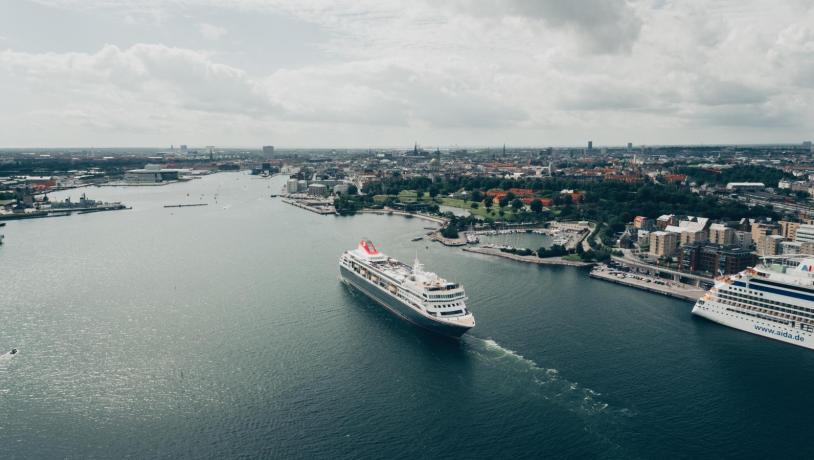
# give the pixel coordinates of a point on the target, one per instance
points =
(420, 297)
(774, 299)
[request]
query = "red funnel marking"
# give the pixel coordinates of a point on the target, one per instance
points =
(368, 247)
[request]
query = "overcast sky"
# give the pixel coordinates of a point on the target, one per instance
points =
(367, 73)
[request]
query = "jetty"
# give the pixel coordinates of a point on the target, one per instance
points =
(656, 285)
(321, 209)
(185, 205)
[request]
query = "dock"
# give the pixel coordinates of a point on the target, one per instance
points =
(61, 212)
(185, 205)
(322, 210)
(654, 285)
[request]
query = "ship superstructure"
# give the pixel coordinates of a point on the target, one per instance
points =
(774, 299)
(418, 296)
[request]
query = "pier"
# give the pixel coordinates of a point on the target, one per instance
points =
(185, 205)
(645, 283)
(318, 208)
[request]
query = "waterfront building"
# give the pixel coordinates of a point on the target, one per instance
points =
(663, 244)
(760, 230)
(318, 190)
(771, 245)
(721, 234)
(714, 259)
(804, 233)
(790, 248)
(291, 186)
(691, 236)
(268, 151)
(152, 174)
(742, 239)
(788, 229)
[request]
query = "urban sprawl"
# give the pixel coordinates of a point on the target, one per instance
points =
(668, 219)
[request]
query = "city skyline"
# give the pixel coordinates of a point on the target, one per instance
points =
(359, 74)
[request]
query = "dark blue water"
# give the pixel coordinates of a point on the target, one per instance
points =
(222, 331)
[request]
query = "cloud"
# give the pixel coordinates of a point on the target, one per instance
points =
(211, 32)
(449, 72)
(170, 76)
(714, 92)
(602, 26)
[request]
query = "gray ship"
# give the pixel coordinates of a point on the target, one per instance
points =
(420, 297)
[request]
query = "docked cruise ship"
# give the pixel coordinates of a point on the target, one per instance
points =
(775, 299)
(420, 297)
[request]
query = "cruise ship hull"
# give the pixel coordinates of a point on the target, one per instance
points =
(717, 313)
(398, 308)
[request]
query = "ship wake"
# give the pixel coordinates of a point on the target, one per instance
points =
(545, 383)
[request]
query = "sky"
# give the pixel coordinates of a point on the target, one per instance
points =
(381, 73)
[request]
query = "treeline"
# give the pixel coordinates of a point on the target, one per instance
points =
(610, 202)
(738, 173)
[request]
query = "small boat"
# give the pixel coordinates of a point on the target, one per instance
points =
(13, 351)
(418, 238)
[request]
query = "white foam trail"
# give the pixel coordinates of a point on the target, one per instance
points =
(549, 382)
(6, 358)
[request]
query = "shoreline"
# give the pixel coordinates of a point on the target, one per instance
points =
(387, 212)
(528, 259)
(689, 293)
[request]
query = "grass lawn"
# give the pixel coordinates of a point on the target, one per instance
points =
(481, 211)
(572, 257)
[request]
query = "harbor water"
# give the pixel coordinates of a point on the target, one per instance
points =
(222, 331)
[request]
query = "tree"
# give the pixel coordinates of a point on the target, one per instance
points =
(476, 195)
(504, 202)
(433, 191)
(474, 205)
(487, 202)
(510, 196)
(450, 231)
(536, 206)
(517, 204)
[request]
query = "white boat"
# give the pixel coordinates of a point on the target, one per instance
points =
(420, 297)
(775, 299)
